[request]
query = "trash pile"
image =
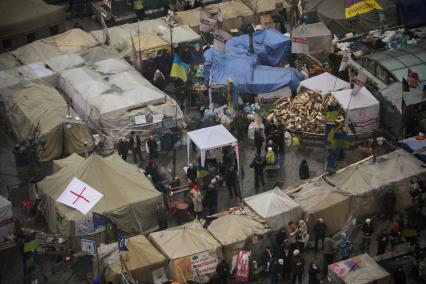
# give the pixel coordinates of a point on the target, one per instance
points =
(305, 112)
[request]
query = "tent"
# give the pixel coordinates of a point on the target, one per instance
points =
(319, 199)
(42, 50)
(318, 38)
(7, 224)
(34, 72)
(129, 198)
(261, 6)
(324, 84)
(418, 147)
(210, 138)
(412, 12)
(190, 249)
(363, 109)
(234, 232)
(141, 260)
(20, 18)
(65, 61)
(271, 47)
(367, 182)
(359, 269)
(276, 207)
(38, 111)
(8, 60)
(332, 14)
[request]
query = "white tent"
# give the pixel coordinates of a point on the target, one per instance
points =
(276, 207)
(363, 110)
(6, 219)
(324, 84)
(210, 138)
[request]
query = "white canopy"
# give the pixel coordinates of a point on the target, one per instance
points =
(363, 110)
(324, 84)
(276, 207)
(210, 138)
(6, 219)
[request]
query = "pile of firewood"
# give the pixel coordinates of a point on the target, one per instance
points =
(305, 112)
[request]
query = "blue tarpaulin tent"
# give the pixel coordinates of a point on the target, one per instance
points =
(247, 76)
(270, 46)
(413, 12)
(413, 145)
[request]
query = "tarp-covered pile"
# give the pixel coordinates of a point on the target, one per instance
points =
(276, 207)
(110, 93)
(358, 269)
(234, 232)
(129, 198)
(41, 50)
(141, 260)
(39, 112)
(317, 36)
(191, 250)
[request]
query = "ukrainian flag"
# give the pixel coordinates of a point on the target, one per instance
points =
(179, 68)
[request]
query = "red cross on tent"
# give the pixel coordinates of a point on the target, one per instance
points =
(80, 196)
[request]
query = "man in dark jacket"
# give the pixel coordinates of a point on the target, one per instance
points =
(161, 214)
(210, 199)
(135, 144)
(231, 181)
(297, 266)
(382, 242)
(152, 170)
(152, 147)
(367, 233)
(389, 203)
(330, 247)
(123, 148)
(191, 173)
(258, 164)
(286, 256)
(258, 141)
(222, 270)
(320, 229)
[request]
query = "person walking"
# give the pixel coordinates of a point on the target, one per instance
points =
(210, 199)
(191, 173)
(223, 271)
(330, 247)
(123, 148)
(135, 143)
(139, 8)
(258, 164)
(152, 147)
(382, 242)
(313, 274)
(275, 270)
(297, 266)
(367, 233)
(345, 246)
(231, 182)
(162, 216)
(258, 141)
(197, 200)
(286, 256)
(304, 170)
(320, 229)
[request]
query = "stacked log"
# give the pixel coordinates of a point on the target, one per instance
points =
(305, 112)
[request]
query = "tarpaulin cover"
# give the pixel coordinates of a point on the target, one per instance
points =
(276, 207)
(412, 12)
(246, 75)
(6, 222)
(270, 46)
(413, 145)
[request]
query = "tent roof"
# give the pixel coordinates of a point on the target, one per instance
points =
(230, 10)
(121, 184)
(185, 240)
(324, 84)
(271, 203)
(262, 6)
(141, 254)
(65, 61)
(65, 162)
(363, 99)
(312, 30)
(231, 229)
(212, 137)
(4, 202)
(22, 16)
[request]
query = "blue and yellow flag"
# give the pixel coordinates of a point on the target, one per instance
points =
(332, 112)
(179, 68)
(336, 139)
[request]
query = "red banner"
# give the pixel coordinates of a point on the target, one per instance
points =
(243, 266)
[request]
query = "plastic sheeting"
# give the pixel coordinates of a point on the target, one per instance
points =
(276, 207)
(270, 46)
(246, 75)
(413, 145)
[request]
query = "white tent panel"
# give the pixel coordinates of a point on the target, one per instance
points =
(6, 222)
(324, 84)
(65, 61)
(363, 109)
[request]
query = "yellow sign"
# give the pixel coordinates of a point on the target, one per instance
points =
(357, 7)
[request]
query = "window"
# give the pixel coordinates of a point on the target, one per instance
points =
(31, 37)
(6, 43)
(54, 30)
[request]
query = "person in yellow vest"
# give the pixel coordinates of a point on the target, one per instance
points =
(139, 9)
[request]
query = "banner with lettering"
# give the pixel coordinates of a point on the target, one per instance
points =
(358, 7)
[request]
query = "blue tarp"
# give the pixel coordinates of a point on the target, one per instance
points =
(413, 145)
(270, 46)
(413, 12)
(247, 76)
